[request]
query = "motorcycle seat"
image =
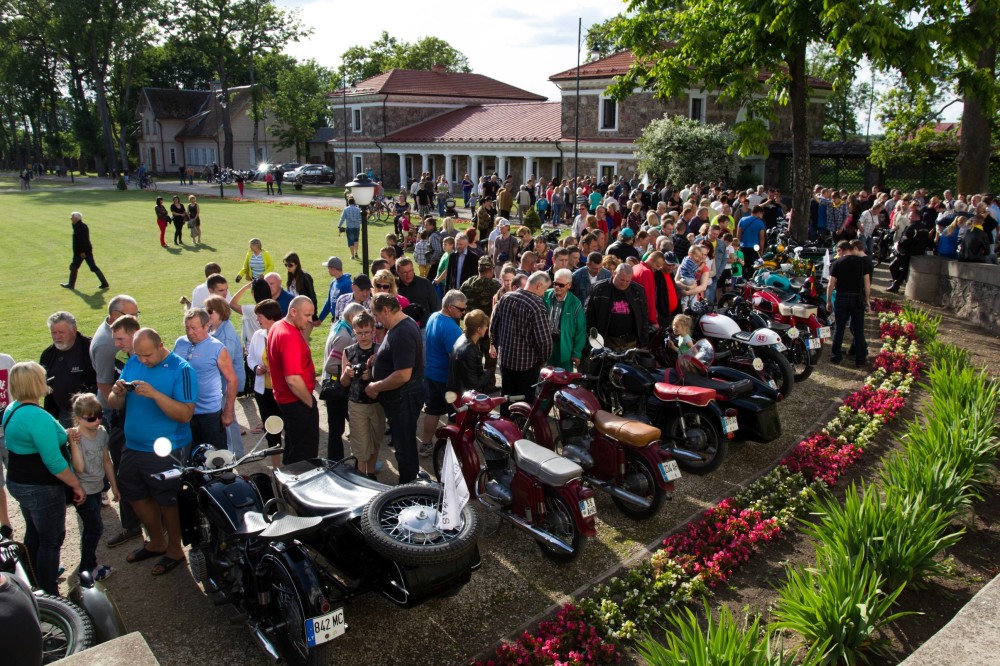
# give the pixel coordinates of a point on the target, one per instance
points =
(725, 390)
(544, 464)
(796, 310)
(692, 395)
(282, 526)
(625, 430)
(743, 336)
(332, 494)
(778, 327)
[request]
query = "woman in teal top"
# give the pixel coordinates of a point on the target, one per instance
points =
(38, 472)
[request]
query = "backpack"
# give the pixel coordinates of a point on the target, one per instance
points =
(973, 246)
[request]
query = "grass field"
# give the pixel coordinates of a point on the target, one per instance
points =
(37, 251)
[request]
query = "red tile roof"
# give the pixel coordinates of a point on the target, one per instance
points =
(618, 63)
(529, 122)
(438, 84)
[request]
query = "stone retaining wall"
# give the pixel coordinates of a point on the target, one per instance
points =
(971, 291)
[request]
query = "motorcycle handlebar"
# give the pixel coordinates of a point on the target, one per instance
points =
(179, 470)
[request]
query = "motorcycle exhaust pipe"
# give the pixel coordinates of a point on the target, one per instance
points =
(265, 644)
(517, 521)
(620, 493)
(684, 453)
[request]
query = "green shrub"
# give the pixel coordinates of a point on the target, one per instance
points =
(945, 483)
(531, 219)
(952, 355)
(966, 445)
(899, 536)
(841, 604)
(722, 642)
(926, 325)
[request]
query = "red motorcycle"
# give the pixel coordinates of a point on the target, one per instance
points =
(527, 485)
(620, 456)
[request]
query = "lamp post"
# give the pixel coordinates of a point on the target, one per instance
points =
(347, 166)
(576, 134)
(363, 190)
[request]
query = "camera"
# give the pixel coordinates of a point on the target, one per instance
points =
(359, 368)
(129, 386)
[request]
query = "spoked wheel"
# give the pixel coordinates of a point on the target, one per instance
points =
(401, 525)
(777, 369)
(698, 444)
(287, 615)
(559, 522)
(66, 629)
(801, 359)
(640, 479)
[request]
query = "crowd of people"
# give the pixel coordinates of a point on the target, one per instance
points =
(482, 308)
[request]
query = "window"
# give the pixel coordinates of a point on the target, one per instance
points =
(607, 170)
(356, 114)
(608, 120)
(454, 169)
(358, 164)
(697, 108)
(409, 168)
(173, 156)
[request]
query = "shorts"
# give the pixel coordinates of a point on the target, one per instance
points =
(435, 403)
(135, 476)
(367, 428)
(352, 236)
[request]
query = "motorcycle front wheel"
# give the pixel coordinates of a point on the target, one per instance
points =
(287, 612)
(640, 478)
(777, 368)
(800, 358)
(560, 522)
(698, 446)
(66, 629)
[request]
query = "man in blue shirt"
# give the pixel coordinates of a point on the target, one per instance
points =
(215, 408)
(339, 285)
(441, 334)
(158, 390)
(751, 236)
(278, 293)
(351, 218)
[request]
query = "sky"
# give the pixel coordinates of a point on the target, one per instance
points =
(521, 47)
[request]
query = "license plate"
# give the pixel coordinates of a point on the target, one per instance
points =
(814, 343)
(670, 470)
(729, 424)
(824, 333)
(588, 507)
(325, 628)
(781, 346)
(773, 384)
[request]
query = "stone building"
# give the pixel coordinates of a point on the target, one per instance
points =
(402, 123)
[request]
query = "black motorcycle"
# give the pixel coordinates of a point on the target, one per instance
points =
(883, 241)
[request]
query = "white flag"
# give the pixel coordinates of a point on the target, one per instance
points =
(456, 493)
(826, 265)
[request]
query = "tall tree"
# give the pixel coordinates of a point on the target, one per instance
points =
(754, 52)
(599, 39)
(844, 104)
(388, 52)
(299, 103)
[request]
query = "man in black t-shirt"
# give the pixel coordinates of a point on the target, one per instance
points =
(849, 277)
(398, 372)
(68, 368)
(617, 309)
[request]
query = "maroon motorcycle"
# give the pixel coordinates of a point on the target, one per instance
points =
(527, 485)
(621, 456)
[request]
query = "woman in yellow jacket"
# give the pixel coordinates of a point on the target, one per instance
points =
(257, 263)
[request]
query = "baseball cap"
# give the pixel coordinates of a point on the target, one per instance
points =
(627, 233)
(670, 258)
(503, 222)
(362, 282)
(485, 261)
(334, 262)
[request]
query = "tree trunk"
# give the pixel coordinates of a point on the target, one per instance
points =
(801, 168)
(101, 94)
(123, 130)
(974, 144)
(227, 127)
(254, 110)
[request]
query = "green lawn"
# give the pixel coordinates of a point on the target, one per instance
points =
(123, 229)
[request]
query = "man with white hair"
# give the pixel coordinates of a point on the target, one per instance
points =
(68, 369)
(522, 337)
(82, 251)
(567, 319)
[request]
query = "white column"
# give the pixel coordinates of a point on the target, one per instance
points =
(527, 169)
(500, 170)
(448, 174)
(402, 171)
(474, 171)
(425, 164)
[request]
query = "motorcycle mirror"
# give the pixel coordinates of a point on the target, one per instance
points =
(163, 447)
(596, 339)
(799, 249)
(756, 248)
(451, 397)
(273, 425)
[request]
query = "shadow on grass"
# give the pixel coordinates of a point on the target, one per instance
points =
(94, 301)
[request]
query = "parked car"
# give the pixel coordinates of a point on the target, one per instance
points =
(290, 166)
(314, 173)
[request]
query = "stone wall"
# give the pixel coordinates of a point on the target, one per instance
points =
(970, 291)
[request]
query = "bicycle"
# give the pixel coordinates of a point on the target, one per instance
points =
(379, 210)
(146, 183)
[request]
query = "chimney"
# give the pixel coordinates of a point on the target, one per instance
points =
(438, 69)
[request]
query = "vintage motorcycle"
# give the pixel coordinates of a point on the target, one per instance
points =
(529, 486)
(620, 456)
(798, 343)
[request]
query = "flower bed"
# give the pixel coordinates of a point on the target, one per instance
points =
(707, 551)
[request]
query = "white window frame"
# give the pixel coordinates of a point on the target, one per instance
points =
(600, 114)
(704, 103)
(355, 119)
(601, 165)
(359, 163)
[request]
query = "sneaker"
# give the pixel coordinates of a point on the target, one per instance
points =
(102, 572)
(425, 449)
(123, 537)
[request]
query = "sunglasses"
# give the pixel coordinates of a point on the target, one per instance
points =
(383, 286)
(460, 309)
(92, 419)
(289, 265)
(561, 285)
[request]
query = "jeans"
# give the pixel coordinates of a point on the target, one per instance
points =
(234, 438)
(93, 528)
(336, 417)
(301, 431)
(867, 240)
(44, 511)
(402, 410)
(557, 213)
(850, 307)
(467, 195)
(441, 207)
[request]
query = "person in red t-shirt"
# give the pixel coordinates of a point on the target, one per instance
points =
(293, 378)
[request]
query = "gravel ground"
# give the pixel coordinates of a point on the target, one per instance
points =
(514, 584)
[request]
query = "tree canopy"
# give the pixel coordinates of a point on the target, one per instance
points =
(388, 52)
(686, 151)
(299, 104)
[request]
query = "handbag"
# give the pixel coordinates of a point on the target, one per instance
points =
(332, 389)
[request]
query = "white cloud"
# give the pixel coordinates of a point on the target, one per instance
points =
(520, 46)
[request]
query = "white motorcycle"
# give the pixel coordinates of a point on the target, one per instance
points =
(759, 353)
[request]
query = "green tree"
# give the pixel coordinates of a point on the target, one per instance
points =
(388, 52)
(754, 52)
(599, 38)
(908, 118)
(842, 107)
(299, 103)
(686, 151)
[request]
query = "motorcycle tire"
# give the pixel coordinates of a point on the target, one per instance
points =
(287, 610)
(381, 525)
(66, 629)
(715, 451)
(636, 464)
(560, 522)
(778, 369)
(801, 359)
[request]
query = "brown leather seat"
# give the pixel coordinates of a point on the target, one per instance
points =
(627, 431)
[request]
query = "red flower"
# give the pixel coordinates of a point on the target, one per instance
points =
(822, 457)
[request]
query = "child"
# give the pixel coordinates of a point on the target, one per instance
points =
(391, 240)
(366, 416)
(422, 252)
(736, 259)
(88, 444)
(682, 330)
(687, 276)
